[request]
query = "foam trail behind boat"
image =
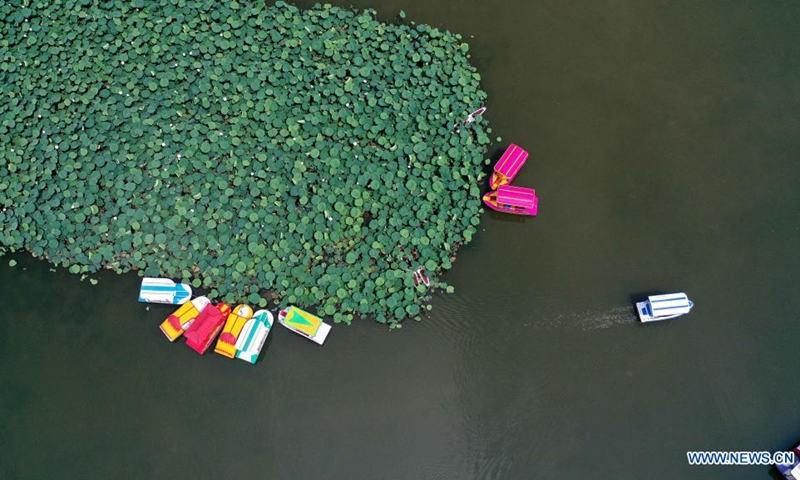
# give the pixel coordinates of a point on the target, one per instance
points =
(589, 319)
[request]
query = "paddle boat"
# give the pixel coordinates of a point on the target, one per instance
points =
(254, 334)
(663, 307)
(420, 277)
(174, 326)
(226, 344)
(516, 200)
(208, 324)
(474, 115)
(508, 166)
(301, 322)
(164, 290)
(471, 118)
(791, 470)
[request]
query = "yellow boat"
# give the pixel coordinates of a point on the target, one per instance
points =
(226, 345)
(174, 326)
(310, 326)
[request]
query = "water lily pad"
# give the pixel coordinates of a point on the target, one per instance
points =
(285, 151)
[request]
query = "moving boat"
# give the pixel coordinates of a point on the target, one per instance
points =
(663, 307)
(208, 324)
(226, 344)
(301, 322)
(174, 326)
(164, 290)
(508, 166)
(516, 200)
(254, 334)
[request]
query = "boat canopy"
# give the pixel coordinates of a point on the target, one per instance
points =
(512, 160)
(670, 304)
(302, 321)
(516, 196)
(164, 290)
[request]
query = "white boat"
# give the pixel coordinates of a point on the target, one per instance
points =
(253, 336)
(164, 290)
(303, 323)
(663, 307)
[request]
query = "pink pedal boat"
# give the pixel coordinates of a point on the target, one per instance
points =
(516, 200)
(508, 166)
(204, 330)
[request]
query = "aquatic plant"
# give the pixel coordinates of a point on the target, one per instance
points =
(260, 152)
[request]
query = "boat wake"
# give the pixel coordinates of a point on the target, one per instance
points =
(452, 310)
(588, 320)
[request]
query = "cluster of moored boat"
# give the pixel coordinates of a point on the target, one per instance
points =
(504, 197)
(242, 332)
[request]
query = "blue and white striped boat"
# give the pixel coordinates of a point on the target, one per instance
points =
(164, 290)
(663, 307)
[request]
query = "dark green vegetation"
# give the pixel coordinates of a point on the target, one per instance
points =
(306, 157)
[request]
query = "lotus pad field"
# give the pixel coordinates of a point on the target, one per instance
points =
(266, 154)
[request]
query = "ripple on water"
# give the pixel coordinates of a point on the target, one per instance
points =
(464, 321)
(591, 319)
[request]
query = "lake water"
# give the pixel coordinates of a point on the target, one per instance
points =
(664, 141)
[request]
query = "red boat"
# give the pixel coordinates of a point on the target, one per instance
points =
(206, 327)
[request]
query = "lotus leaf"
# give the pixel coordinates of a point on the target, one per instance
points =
(259, 151)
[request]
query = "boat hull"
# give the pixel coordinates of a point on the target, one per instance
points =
(164, 290)
(175, 325)
(498, 180)
(791, 470)
(226, 343)
(206, 327)
(645, 317)
(253, 336)
(508, 166)
(320, 334)
(527, 212)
